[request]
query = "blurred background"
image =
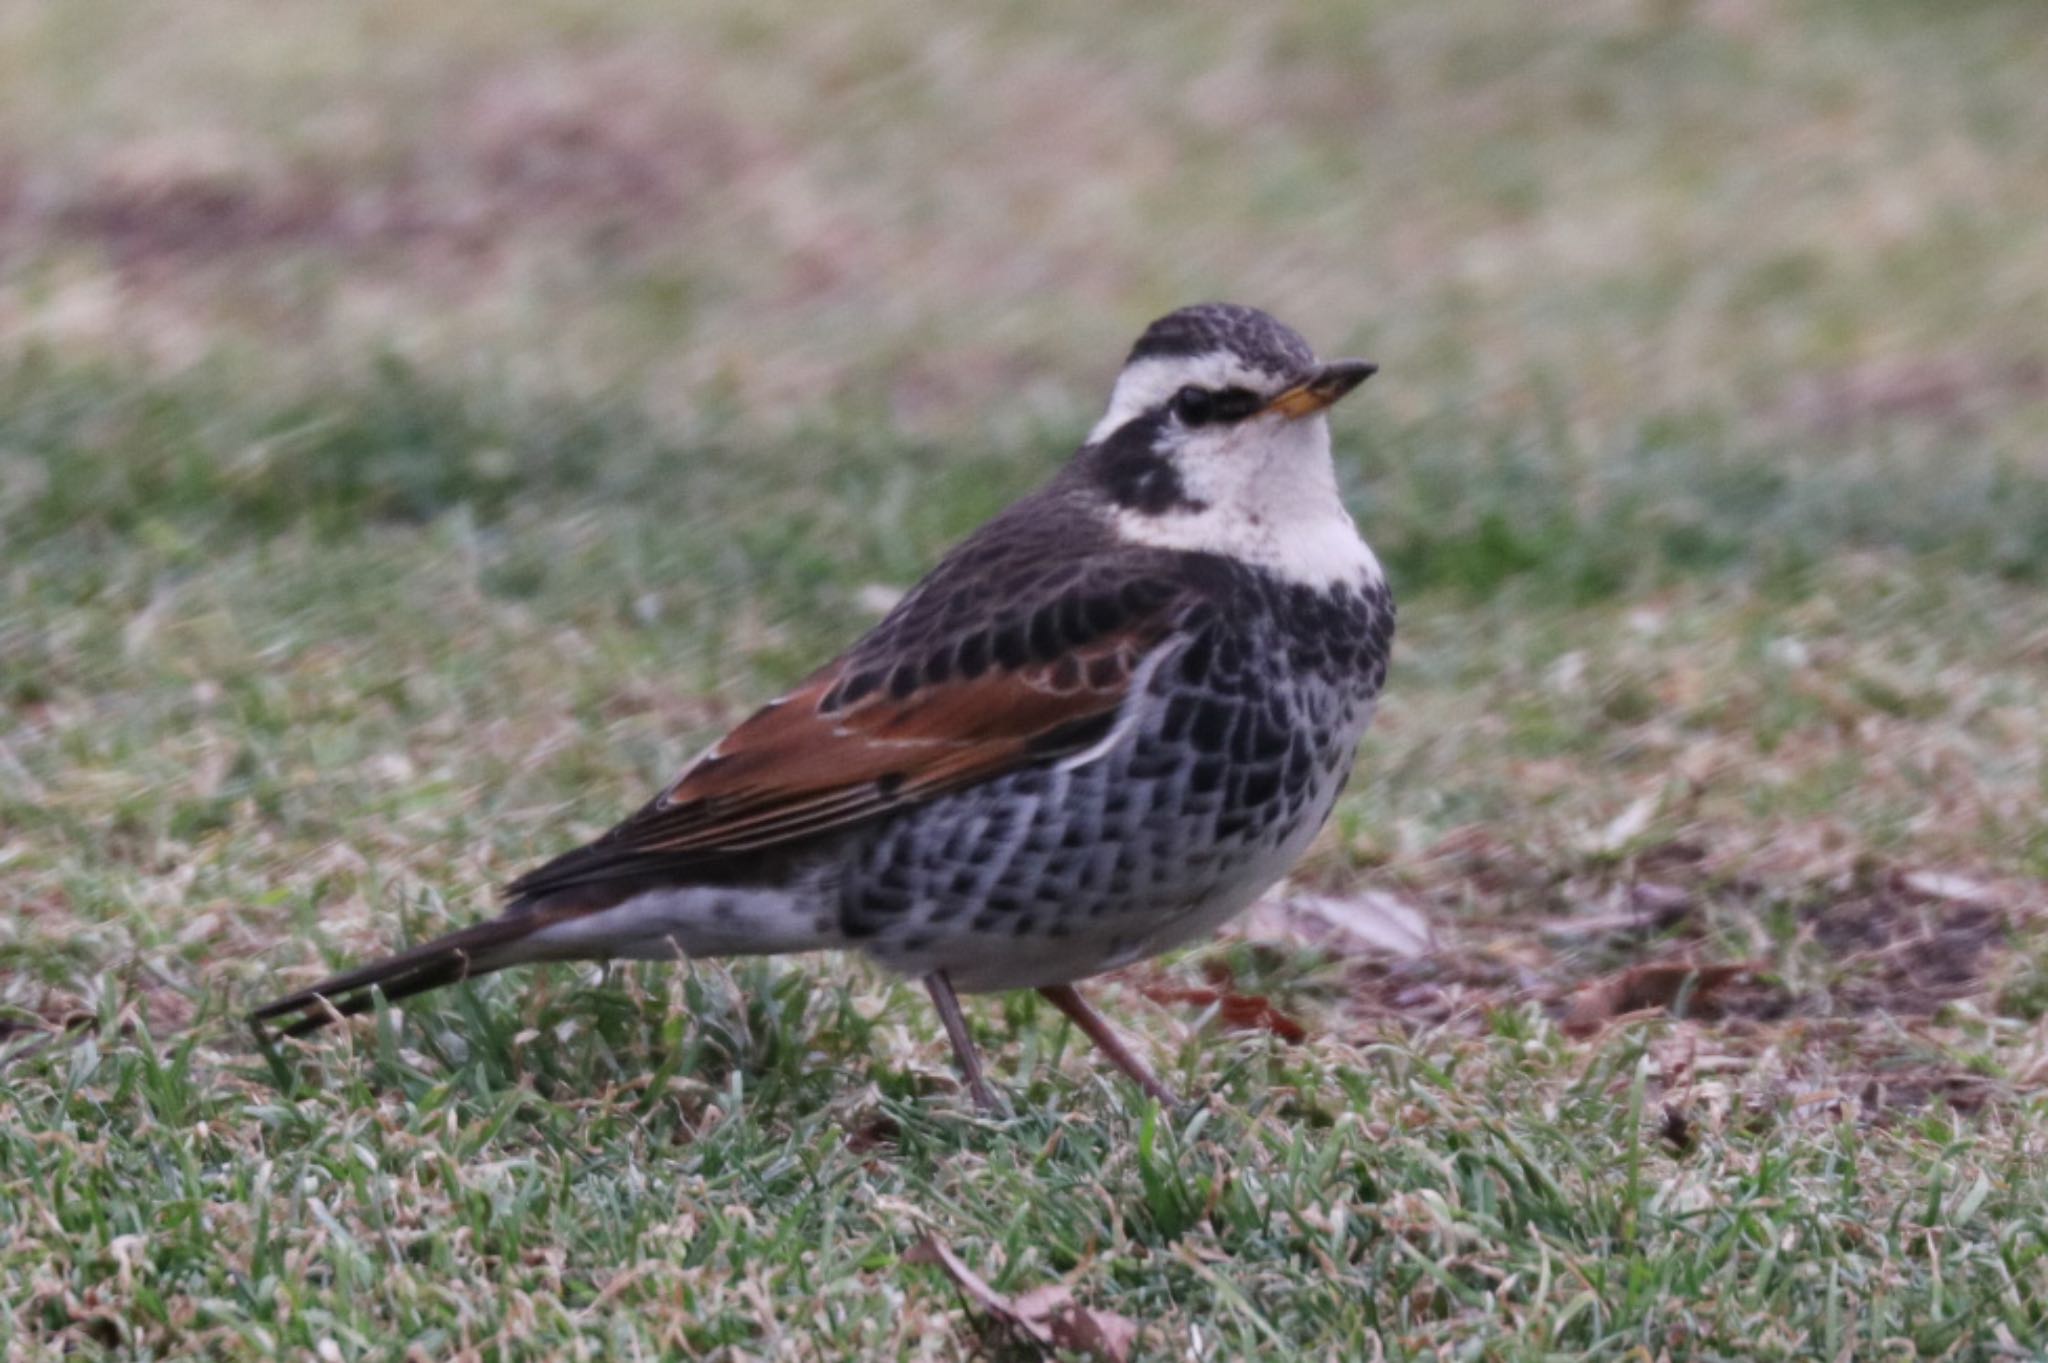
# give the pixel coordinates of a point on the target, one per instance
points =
(420, 428)
(1576, 231)
(423, 426)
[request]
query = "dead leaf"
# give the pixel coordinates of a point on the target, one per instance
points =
(1639, 988)
(1048, 1316)
(1042, 1303)
(1370, 921)
(1100, 1334)
(1651, 907)
(930, 1251)
(1950, 888)
(1625, 827)
(1238, 1012)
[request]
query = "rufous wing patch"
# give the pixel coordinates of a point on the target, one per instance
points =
(899, 719)
(797, 767)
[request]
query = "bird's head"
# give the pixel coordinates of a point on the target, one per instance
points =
(1215, 441)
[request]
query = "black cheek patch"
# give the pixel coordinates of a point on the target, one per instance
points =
(1136, 476)
(1148, 483)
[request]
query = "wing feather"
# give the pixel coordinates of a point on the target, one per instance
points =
(875, 731)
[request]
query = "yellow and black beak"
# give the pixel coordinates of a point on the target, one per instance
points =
(1321, 388)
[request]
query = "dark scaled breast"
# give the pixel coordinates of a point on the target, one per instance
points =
(1246, 741)
(1340, 636)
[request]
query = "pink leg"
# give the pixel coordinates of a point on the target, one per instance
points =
(1065, 999)
(941, 990)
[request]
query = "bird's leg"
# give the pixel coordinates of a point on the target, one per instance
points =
(1068, 1001)
(941, 990)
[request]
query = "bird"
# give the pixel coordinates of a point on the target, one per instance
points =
(1102, 725)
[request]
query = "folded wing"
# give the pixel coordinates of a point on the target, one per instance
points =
(927, 704)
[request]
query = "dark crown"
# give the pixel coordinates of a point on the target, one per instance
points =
(1257, 338)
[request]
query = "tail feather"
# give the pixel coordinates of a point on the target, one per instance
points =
(623, 921)
(465, 954)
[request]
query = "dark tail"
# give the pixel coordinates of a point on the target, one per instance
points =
(462, 955)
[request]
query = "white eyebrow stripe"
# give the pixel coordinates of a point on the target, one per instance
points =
(1145, 384)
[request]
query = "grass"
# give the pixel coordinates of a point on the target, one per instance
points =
(420, 432)
(549, 1187)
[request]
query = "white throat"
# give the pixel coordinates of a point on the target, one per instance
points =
(1265, 493)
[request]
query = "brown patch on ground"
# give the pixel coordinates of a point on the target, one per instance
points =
(27, 1030)
(597, 151)
(1236, 1011)
(1457, 986)
(1903, 951)
(36, 1015)
(1046, 1318)
(1657, 987)
(56, 1020)
(1850, 999)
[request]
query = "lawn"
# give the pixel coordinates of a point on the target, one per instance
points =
(421, 428)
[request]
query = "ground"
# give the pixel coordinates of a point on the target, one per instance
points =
(421, 428)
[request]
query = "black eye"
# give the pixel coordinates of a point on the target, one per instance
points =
(1234, 404)
(1194, 406)
(1200, 406)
